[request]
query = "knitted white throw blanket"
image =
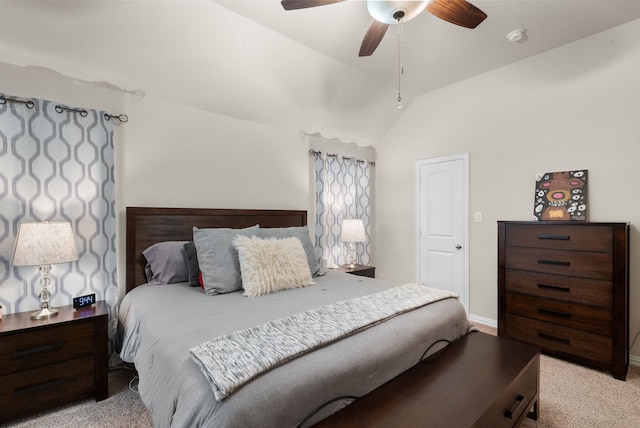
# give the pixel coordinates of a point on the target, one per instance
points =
(232, 360)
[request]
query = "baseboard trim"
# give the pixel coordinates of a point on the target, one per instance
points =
(634, 360)
(484, 321)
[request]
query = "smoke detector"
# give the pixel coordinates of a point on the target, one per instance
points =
(517, 36)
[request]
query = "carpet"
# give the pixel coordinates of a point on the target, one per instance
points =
(572, 396)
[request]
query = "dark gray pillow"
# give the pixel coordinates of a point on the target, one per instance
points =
(166, 263)
(302, 233)
(218, 259)
(192, 264)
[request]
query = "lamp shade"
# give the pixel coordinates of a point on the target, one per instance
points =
(353, 231)
(44, 243)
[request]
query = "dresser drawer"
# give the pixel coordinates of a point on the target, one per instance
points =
(560, 262)
(593, 348)
(564, 287)
(580, 290)
(560, 237)
(573, 315)
(516, 400)
(45, 346)
(50, 383)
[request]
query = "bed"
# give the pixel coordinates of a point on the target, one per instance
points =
(160, 326)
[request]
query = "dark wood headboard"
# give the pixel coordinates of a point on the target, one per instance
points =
(147, 226)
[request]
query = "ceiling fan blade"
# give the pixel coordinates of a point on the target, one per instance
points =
(303, 4)
(458, 12)
(373, 37)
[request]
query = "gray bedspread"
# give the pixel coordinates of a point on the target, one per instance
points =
(161, 323)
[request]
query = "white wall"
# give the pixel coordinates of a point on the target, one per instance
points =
(572, 108)
(175, 156)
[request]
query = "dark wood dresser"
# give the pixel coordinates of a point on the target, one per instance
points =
(49, 362)
(564, 287)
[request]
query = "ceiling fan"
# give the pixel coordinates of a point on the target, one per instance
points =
(384, 13)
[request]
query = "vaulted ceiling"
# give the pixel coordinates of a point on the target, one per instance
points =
(255, 61)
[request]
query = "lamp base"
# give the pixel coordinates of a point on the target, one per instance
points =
(352, 255)
(44, 313)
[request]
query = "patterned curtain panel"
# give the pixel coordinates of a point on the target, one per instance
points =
(56, 164)
(342, 190)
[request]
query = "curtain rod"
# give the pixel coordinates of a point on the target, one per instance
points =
(123, 118)
(335, 155)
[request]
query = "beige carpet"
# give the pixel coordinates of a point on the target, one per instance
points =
(572, 396)
(578, 397)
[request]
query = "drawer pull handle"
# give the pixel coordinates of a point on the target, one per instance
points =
(38, 349)
(39, 387)
(553, 262)
(554, 288)
(512, 411)
(555, 339)
(555, 237)
(554, 313)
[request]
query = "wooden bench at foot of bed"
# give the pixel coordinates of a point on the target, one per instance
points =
(478, 381)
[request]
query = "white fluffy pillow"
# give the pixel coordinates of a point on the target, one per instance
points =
(270, 265)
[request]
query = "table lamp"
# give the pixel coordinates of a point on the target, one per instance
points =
(43, 244)
(352, 232)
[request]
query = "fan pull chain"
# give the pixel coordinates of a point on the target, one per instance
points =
(400, 64)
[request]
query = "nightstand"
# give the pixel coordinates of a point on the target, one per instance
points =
(360, 270)
(49, 362)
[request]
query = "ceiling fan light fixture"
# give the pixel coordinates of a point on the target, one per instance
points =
(384, 11)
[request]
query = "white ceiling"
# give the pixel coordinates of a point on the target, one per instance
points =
(295, 69)
(437, 53)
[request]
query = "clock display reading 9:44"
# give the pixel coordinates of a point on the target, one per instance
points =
(83, 301)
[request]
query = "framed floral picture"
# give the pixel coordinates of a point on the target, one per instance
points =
(561, 196)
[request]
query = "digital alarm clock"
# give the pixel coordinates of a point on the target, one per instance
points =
(83, 301)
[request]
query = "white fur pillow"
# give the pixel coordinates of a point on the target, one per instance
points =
(270, 265)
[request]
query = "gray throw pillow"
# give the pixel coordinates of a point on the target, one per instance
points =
(166, 263)
(192, 264)
(218, 259)
(300, 232)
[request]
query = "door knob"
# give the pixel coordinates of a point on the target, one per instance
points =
(458, 246)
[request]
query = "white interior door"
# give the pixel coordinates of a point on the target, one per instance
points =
(442, 259)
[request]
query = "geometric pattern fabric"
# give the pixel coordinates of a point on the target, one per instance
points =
(343, 189)
(56, 164)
